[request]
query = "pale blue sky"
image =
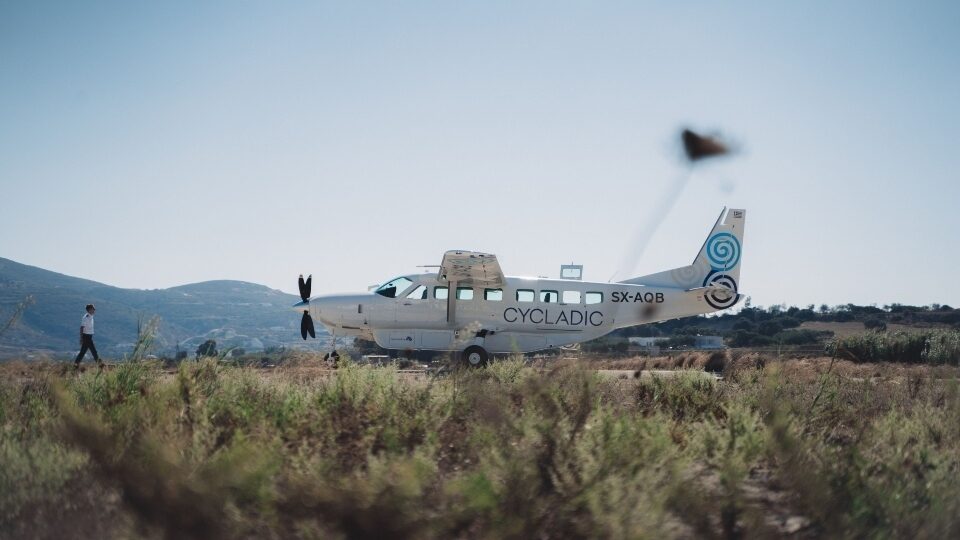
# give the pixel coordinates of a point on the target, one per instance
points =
(155, 144)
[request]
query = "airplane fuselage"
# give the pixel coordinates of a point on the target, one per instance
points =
(525, 314)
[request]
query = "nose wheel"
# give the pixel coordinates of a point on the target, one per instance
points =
(474, 356)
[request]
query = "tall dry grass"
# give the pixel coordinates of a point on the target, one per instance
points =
(811, 448)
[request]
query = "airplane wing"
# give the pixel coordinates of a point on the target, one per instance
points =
(471, 268)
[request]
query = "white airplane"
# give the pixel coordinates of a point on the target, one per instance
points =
(471, 307)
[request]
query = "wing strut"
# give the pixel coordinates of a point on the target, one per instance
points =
(451, 302)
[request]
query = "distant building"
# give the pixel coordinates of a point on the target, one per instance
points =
(651, 345)
(644, 341)
(645, 345)
(708, 342)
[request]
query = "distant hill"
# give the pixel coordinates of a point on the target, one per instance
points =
(234, 313)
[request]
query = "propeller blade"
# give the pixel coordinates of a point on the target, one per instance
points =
(304, 288)
(306, 325)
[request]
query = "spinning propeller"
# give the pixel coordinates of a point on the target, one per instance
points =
(306, 322)
(305, 287)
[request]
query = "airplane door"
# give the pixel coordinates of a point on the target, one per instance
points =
(421, 309)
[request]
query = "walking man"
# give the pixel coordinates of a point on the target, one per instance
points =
(86, 337)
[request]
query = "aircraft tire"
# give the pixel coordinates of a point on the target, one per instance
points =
(474, 356)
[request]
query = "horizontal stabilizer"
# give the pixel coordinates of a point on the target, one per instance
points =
(718, 296)
(712, 289)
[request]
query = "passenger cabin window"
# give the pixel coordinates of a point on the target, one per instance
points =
(594, 297)
(525, 295)
(420, 293)
(571, 297)
(548, 297)
(493, 295)
(394, 286)
(440, 293)
(464, 293)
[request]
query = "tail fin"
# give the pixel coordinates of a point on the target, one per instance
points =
(721, 250)
(718, 262)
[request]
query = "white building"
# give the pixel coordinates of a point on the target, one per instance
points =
(647, 344)
(708, 342)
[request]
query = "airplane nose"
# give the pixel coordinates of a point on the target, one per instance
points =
(316, 305)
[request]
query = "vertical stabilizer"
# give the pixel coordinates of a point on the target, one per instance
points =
(721, 251)
(717, 263)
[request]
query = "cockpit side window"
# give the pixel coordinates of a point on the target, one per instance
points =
(419, 293)
(391, 288)
(440, 293)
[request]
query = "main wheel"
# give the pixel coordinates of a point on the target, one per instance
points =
(474, 356)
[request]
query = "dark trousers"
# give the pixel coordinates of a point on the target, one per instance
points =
(86, 343)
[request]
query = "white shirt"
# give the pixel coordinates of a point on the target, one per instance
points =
(86, 324)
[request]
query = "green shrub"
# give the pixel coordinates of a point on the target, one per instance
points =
(801, 337)
(931, 346)
(875, 323)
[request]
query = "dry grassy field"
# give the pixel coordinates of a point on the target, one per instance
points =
(548, 449)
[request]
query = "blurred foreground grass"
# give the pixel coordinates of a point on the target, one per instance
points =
(801, 448)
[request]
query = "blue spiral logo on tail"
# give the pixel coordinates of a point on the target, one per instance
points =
(723, 251)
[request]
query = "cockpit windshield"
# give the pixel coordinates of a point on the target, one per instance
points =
(394, 286)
